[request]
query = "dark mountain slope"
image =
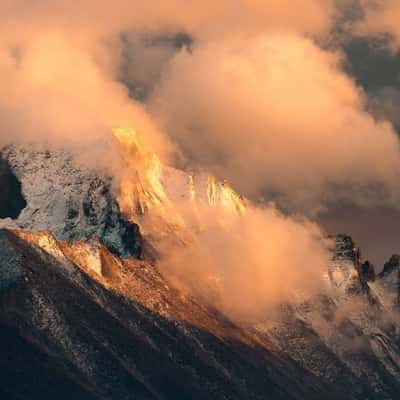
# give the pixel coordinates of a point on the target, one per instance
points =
(64, 333)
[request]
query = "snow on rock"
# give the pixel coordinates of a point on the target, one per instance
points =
(342, 270)
(69, 200)
(387, 285)
(75, 202)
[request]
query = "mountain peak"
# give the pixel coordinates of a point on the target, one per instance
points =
(393, 264)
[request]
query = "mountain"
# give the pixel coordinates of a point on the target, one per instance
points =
(86, 314)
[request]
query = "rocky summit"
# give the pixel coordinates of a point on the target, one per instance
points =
(84, 314)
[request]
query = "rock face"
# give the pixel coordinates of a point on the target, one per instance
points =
(392, 265)
(12, 201)
(343, 271)
(387, 285)
(73, 202)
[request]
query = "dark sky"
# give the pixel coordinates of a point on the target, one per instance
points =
(377, 71)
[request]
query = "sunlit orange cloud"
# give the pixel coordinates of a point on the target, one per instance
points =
(250, 266)
(380, 18)
(57, 93)
(278, 114)
(60, 62)
(200, 18)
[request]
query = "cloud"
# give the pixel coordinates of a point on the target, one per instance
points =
(248, 266)
(62, 64)
(380, 17)
(97, 18)
(56, 93)
(277, 114)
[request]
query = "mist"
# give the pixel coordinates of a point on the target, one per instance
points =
(249, 265)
